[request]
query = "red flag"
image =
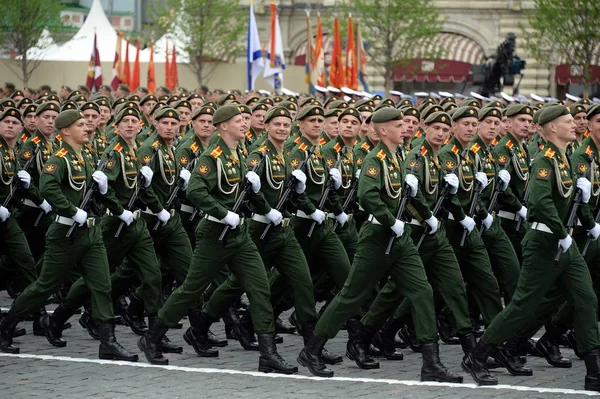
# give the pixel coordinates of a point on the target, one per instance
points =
(126, 79)
(351, 66)
(319, 56)
(167, 68)
(135, 80)
(336, 71)
(151, 76)
(94, 75)
(116, 69)
(174, 79)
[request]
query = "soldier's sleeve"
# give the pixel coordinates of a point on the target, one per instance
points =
(52, 176)
(148, 195)
(112, 172)
(32, 193)
(540, 201)
(301, 201)
(258, 200)
(370, 184)
(202, 183)
(448, 162)
(418, 202)
(507, 199)
(334, 201)
(581, 168)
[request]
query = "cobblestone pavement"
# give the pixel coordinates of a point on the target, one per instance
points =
(41, 370)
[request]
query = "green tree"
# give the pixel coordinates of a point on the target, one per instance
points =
(397, 31)
(567, 28)
(215, 30)
(21, 26)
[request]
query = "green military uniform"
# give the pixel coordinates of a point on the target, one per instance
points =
(359, 152)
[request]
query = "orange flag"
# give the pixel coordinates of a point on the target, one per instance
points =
(151, 76)
(351, 66)
(167, 67)
(174, 78)
(135, 80)
(336, 69)
(126, 72)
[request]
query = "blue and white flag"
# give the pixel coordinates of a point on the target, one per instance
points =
(274, 69)
(256, 63)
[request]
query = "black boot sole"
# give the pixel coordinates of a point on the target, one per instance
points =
(433, 378)
(10, 349)
(561, 365)
(141, 347)
(200, 352)
(19, 332)
(316, 373)
(108, 356)
(363, 365)
(476, 379)
(268, 369)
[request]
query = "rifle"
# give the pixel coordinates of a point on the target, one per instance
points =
(178, 187)
(194, 214)
(325, 195)
(497, 190)
(473, 208)
(87, 199)
(17, 186)
(136, 192)
(241, 198)
(401, 208)
(443, 195)
(291, 185)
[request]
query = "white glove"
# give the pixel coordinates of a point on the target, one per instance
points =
(318, 216)
(274, 216)
(452, 181)
(46, 207)
(163, 216)
(565, 243)
(147, 173)
(80, 216)
(522, 213)
(300, 180)
(481, 178)
(433, 224)
(586, 189)
(4, 214)
(185, 176)
(413, 183)
(594, 232)
(468, 223)
(232, 219)
(504, 176)
(253, 178)
(398, 228)
(127, 217)
(25, 178)
(488, 221)
(336, 176)
(342, 218)
(100, 178)
(357, 175)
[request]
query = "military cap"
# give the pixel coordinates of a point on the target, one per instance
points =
(428, 100)
(276, 112)
(338, 104)
(1, 108)
(489, 111)
(90, 105)
(96, 96)
(165, 89)
(10, 111)
(219, 91)
(464, 112)
(365, 108)
(24, 101)
(236, 91)
(225, 113)
(333, 112)
(351, 112)
(226, 97)
(576, 109)
(166, 112)
(29, 109)
(252, 100)
(118, 102)
(310, 110)
(83, 88)
(364, 101)
(593, 110)
(377, 97)
(277, 99)
(386, 114)
(430, 110)
(405, 101)
(149, 97)
(244, 109)
(368, 119)
(106, 87)
(439, 117)
(74, 93)
(290, 106)
(211, 104)
(448, 106)
(67, 118)
(352, 101)
(7, 103)
(17, 93)
(423, 106)
(127, 104)
(69, 104)
(78, 98)
(494, 104)
(102, 102)
(203, 110)
(126, 112)
(266, 100)
(447, 100)
(133, 97)
(156, 107)
(164, 98)
(388, 101)
(329, 100)
(551, 113)
(383, 105)
(470, 102)
(183, 103)
(173, 99)
(292, 99)
(451, 111)
(582, 101)
(260, 107)
(307, 101)
(518, 109)
(47, 107)
(411, 111)
(537, 105)
(536, 116)
(191, 96)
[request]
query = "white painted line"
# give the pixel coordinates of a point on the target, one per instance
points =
(300, 377)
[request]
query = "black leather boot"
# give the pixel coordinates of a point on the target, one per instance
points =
(310, 356)
(7, 328)
(86, 321)
(133, 316)
(326, 356)
(433, 369)
(109, 348)
(270, 361)
(475, 364)
(410, 337)
(38, 330)
(243, 331)
(150, 343)
(357, 349)
(547, 345)
(196, 335)
(383, 340)
(53, 325)
(511, 362)
(119, 308)
(213, 340)
(592, 366)
(570, 337)
(445, 330)
(468, 342)
(228, 318)
(283, 327)
(293, 320)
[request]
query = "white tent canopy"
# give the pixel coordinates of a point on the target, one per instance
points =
(43, 45)
(160, 48)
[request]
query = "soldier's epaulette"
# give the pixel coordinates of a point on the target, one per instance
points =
(455, 149)
(494, 142)
(36, 140)
(475, 148)
(586, 134)
(423, 151)
(337, 147)
(549, 153)
(510, 144)
(447, 141)
(297, 140)
(589, 151)
(418, 134)
(303, 147)
(194, 147)
(58, 137)
(381, 155)
(365, 146)
(141, 123)
(541, 147)
(118, 147)
(322, 141)
(248, 134)
(356, 141)
(24, 138)
(216, 153)
(155, 144)
(263, 149)
(62, 152)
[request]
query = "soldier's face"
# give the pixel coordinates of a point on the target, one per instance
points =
(196, 103)
(235, 127)
(147, 107)
(184, 115)
(349, 127)
(167, 128)
(76, 134)
(411, 123)
(436, 134)
(203, 126)
(580, 123)
(392, 132)
(594, 126)
(45, 122)
(258, 120)
(30, 122)
(520, 125)
(247, 119)
(91, 119)
(9, 128)
(104, 115)
(488, 128)
(311, 126)
(564, 128)
(464, 130)
(332, 126)
(129, 127)
(278, 129)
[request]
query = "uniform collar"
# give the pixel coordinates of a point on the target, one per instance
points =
(455, 142)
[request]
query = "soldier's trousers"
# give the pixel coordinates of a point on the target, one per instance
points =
(36, 235)
(370, 265)
(16, 250)
(210, 257)
(87, 254)
(135, 245)
(515, 237)
(189, 227)
(281, 250)
(539, 274)
(348, 235)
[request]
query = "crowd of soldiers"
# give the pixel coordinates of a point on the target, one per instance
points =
(446, 218)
